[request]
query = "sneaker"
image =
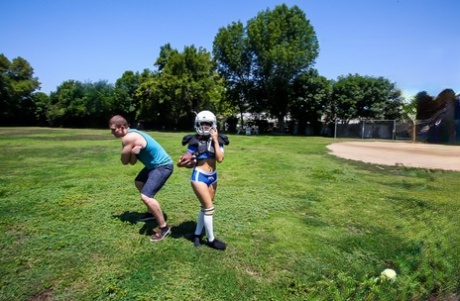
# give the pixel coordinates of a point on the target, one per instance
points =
(197, 240)
(146, 217)
(161, 233)
(217, 244)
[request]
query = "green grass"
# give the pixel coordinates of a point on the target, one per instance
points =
(300, 224)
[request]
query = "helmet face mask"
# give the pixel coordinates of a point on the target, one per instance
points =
(205, 121)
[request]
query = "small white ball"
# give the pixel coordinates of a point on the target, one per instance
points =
(389, 274)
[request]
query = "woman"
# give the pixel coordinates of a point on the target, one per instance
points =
(204, 149)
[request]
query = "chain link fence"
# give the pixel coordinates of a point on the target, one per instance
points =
(433, 131)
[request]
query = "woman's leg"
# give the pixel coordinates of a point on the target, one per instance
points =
(205, 218)
(205, 197)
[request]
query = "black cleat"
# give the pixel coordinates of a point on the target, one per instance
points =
(217, 244)
(197, 240)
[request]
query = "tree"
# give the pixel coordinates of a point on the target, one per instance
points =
(424, 104)
(383, 99)
(77, 104)
(60, 102)
(346, 94)
(17, 85)
(126, 102)
(364, 97)
(98, 99)
(235, 63)
(285, 45)
(6, 100)
(187, 83)
(66, 104)
(165, 53)
(41, 101)
(311, 94)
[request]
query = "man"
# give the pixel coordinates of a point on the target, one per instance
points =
(158, 167)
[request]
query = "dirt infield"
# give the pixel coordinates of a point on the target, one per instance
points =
(431, 156)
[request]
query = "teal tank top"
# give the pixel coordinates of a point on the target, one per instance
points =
(153, 155)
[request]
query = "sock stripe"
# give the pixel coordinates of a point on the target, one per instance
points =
(209, 211)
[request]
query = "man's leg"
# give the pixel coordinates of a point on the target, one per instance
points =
(148, 215)
(156, 179)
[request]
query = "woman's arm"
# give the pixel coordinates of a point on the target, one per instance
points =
(218, 151)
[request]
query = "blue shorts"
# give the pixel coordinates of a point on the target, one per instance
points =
(154, 179)
(208, 178)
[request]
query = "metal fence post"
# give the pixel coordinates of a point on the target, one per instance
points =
(393, 137)
(335, 129)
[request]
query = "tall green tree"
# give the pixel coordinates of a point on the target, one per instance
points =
(17, 85)
(383, 100)
(66, 108)
(311, 96)
(77, 104)
(187, 83)
(235, 63)
(166, 51)
(98, 98)
(285, 45)
(5, 87)
(155, 98)
(41, 101)
(364, 97)
(126, 102)
(346, 94)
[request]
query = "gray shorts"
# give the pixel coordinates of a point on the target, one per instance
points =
(154, 179)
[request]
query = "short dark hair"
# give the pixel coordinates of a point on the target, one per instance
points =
(118, 121)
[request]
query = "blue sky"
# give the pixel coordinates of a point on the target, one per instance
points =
(413, 43)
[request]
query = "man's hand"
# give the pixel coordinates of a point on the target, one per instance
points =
(136, 150)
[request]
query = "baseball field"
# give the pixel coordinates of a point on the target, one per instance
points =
(302, 222)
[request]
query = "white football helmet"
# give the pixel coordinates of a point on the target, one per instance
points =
(208, 117)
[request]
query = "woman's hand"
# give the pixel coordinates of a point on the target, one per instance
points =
(214, 134)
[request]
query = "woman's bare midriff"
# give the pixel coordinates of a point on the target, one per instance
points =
(208, 165)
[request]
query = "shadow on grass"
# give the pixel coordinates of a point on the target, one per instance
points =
(134, 218)
(130, 217)
(185, 229)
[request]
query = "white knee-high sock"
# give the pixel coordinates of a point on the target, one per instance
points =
(200, 223)
(208, 223)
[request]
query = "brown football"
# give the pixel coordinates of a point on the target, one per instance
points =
(187, 160)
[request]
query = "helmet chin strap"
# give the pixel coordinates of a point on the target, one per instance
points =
(209, 144)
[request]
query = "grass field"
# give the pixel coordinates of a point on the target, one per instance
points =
(300, 224)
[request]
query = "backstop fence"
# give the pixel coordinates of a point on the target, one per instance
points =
(434, 131)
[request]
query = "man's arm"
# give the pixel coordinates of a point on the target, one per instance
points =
(126, 156)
